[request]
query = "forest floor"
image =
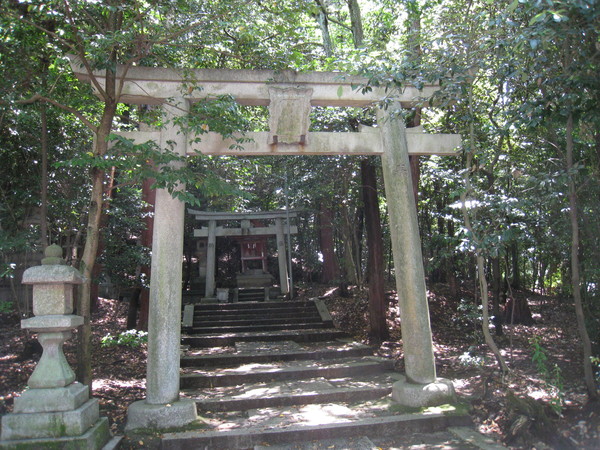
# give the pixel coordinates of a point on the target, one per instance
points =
(540, 404)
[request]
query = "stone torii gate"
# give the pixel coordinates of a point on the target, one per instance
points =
(245, 229)
(289, 96)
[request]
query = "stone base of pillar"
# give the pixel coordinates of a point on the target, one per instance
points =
(420, 395)
(94, 438)
(172, 415)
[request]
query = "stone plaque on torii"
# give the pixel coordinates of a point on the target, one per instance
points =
(289, 96)
(245, 228)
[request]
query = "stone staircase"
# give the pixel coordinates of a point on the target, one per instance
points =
(248, 294)
(278, 374)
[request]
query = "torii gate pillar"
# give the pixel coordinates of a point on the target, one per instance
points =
(163, 408)
(420, 387)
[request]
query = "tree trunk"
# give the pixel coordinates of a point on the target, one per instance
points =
(516, 269)
(95, 287)
(356, 23)
(149, 197)
(330, 267)
(575, 269)
(132, 310)
(44, 178)
(489, 340)
(321, 18)
(90, 250)
(349, 269)
(358, 238)
(497, 299)
(378, 330)
(415, 172)
(450, 266)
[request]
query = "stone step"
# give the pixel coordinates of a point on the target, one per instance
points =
(250, 291)
(251, 297)
(267, 315)
(229, 339)
(316, 428)
(447, 440)
(282, 371)
(354, 443)
(250, 306)
(283, 321)
(257, 328)
(291, 393)
(261, 352)
(257, 312)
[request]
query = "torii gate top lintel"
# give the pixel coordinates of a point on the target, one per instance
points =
(154, 85)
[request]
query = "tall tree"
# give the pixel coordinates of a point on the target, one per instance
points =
(568, 33)
(377, 306)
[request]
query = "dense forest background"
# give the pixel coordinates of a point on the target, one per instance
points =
(517, 209)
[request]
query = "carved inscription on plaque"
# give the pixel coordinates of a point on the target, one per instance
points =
(289, 115)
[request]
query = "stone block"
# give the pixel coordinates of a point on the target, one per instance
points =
(420, 395)
(50, 424)
(52, 274)
(52, 323)
(52, 299)
(93, 439)
(52, 400)
(188, 316)
(142, 414)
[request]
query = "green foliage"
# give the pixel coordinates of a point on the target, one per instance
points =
(552, 376)
(129, 338)
(6, 307)
(222, 115)
(123, 255)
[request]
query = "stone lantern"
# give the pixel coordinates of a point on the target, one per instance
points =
(55, 410)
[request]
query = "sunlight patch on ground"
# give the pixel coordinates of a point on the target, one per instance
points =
(330, 292)
(247, 368)
(323, 414)
(260, 392)
(107, 383)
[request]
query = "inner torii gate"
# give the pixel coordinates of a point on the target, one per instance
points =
(289, 96)
(245, 229)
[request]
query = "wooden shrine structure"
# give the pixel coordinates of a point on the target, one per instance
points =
(289, 97)
(251, 233)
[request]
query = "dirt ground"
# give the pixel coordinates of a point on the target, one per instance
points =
(541, 403)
